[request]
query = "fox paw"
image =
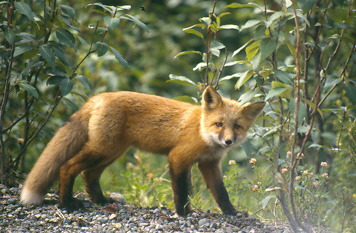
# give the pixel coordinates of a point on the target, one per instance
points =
(105, 200)
(72, 204)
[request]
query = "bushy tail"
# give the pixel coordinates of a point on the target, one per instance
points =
(67, 142)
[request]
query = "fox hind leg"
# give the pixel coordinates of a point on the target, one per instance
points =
(92, 163)
(91, 177)
(68, 172)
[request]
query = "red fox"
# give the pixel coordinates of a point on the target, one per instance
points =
(109, 123)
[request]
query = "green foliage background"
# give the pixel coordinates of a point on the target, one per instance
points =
(142, 47)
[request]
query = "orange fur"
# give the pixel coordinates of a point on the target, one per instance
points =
(109, 123)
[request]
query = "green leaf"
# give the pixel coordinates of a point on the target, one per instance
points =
(252, 50)
(119, 57)
(231, 63)
(66, 86)
(68, 11)
(238, 5)
(206, 20)
(270, 131)
(275, 92)
(26, 10)
(33, 64)
(274, 17)
(244, 78)
(66, 37)
(111, 23)
(124, 7)
(84, 81)
(200, 25)
(30, 89)
(342, 26)
(291, 48)
(22, 49)
(250, 23)
(237, 51)
(265, 200)
(306, 5)
(200, 66)
(61, 56)
(9, 35)
(249, 148)
(105, 7)
(248, 96)
(283, 76)
(194, 32)
(181, 80)
(188, 52)
(350, 89)
(47, 54)
(222, 15)
(331, 82)
(215, 52)
(55, 80)
(288, 89)
(26, 37)
(312, 105)
(101, 48)
(138, 22)
(256, 62)
(267, 47)
(71, 104)
(217, 45)
(229, 26)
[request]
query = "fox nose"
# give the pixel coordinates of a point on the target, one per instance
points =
(228, 142)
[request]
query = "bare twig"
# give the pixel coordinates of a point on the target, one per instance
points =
(220, 71)
(39, 128)
(5, 99)
(208, 43)
(90, 51)
(318, 105)
(296, 114)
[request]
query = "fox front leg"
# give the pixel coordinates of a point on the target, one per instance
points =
(181, 184)
(211, 172)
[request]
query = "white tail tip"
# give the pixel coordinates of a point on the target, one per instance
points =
(29, 197)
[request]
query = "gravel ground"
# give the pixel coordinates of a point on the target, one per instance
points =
(116, 217)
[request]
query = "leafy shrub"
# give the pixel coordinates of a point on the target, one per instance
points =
(42, 49)
(300, 60)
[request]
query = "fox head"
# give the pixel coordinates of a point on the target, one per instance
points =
(224, 122)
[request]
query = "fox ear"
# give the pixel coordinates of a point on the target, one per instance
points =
(252, 110)
(211, 99)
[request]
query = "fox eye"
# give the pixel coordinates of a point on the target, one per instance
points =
(236, 126)
(218, 124)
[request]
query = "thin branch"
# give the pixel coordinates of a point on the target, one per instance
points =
(296, 114)
(319, 32)
(208, 43)
(5, 99)
(318, 105)
(220, 71)
(89, 52)
(39, 128)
